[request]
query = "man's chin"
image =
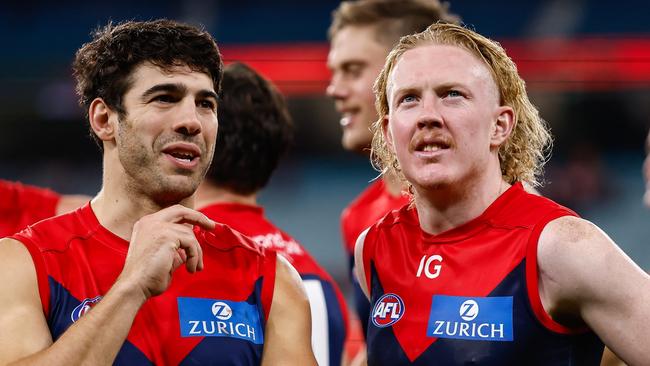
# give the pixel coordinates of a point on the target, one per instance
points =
(175, 190)
(356, 144)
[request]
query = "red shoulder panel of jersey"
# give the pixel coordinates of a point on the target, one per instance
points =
(53, 235)
(469, 260)
(371, 205)
(22, 205)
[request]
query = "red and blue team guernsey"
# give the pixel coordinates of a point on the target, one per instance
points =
(329, 311)
(213, 317)
(370, 206)
(22, 205)
(467, 296)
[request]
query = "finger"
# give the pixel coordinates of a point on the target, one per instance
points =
(177, 261)
(193, 251)
(184, 215)
(188, 234)
(182, 254)
(199, 248)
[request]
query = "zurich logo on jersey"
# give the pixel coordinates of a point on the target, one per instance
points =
(475, 318)
(387, 310)
(201, 317)
(83, 308)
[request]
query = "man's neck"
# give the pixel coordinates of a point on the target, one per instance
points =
(209, 194)
(118, 208)
(394, 185)
(451, 206)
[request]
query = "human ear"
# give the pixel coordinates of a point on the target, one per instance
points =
(102, 119)
(385, 130)
(503, 125)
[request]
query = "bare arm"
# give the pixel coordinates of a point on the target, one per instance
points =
(586, 279)
(26, 338)
(358, 263)
(24, 329)
(288, 331)
(97, 336)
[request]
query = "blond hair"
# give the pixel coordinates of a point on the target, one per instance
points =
(523, 155)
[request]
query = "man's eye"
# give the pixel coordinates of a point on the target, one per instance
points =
(408, 98)
(163, 98)
(354, 71)
(206, 104)
(454, 93)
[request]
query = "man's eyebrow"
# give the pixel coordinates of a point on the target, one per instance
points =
(177, 89)
(170, 87)
(408, 89)
(207, 94)
(346, 65)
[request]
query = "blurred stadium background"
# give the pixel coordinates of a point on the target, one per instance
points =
(587, 65)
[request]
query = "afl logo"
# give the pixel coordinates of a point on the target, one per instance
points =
(387, 310)
(221, 310)
(83, 308)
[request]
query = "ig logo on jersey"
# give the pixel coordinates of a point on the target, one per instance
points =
(387, 310)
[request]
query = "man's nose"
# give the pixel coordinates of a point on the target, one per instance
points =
(188, 122)
(429, 116)
(336, 89)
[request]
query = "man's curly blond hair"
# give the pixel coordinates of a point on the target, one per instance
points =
(523, 154)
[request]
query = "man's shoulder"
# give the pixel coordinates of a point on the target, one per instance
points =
(55, 232)
(521, 208)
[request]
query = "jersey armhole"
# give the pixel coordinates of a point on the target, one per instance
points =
(268, 283)
(367, 252)
(41, 273)
(532, 278)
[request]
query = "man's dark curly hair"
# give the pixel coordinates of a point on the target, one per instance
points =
(255, 131)
(104, 67)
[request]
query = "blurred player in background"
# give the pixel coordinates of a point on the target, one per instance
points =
(23, 204)
(94, 286)
(480, 271)
(255, 132)
(361, 35)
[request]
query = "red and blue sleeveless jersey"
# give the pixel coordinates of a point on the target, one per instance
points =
(22, 205)
(370, 206)
(328, 308)
(468, 295)
(213, 317)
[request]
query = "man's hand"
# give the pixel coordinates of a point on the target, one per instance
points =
(160, 243)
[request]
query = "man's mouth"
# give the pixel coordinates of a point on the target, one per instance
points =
(430, 148)
(185, 154)
(188, 157)
(347, 116)
(432, 145)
